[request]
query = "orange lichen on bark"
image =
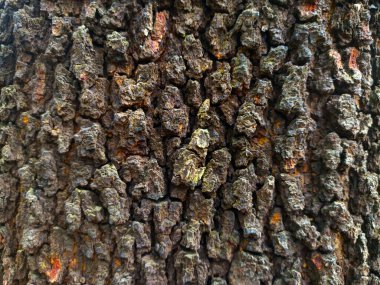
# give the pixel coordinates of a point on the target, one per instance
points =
(218, 55)
(261, 141)
(119, 80)
(353, 57)
(180, 127)
(275, 218)
(25, 120)
(117, 262)
(55, 270)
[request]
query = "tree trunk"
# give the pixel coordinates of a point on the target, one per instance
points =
(189, 142)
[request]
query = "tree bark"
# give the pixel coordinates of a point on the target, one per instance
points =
(189, 142)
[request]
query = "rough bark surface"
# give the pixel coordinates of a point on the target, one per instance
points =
(189, 142)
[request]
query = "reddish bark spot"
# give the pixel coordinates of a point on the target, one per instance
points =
(160, 26)
(88, 9)
(317, 261)
(353, 57)
(155, 46)
(305, 168)
(159, 31)
(365, 28)
(83, 76)
(309, 7)
(56, 267)
(119, 80)
(120, 154)
(290, 164)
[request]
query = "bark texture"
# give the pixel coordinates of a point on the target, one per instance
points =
(189, 142)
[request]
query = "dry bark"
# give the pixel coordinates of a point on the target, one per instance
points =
(189, 142)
